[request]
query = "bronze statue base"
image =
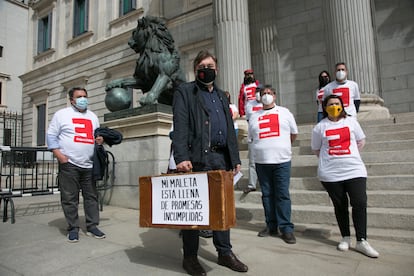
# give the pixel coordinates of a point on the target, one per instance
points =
(152, 108)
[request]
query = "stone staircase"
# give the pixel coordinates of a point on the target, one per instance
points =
(389, 158)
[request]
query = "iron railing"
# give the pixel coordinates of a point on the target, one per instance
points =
(33, 171)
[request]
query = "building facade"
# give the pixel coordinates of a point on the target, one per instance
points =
(13, 53)
(287, 43)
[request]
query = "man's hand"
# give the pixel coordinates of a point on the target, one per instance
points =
(60, 156)
(99, 140)
(237, 169)
(185, 166)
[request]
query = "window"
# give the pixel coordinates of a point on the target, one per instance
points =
(1, 51)
(1, 93)
(125, 6)
(44, 36)
(41, 125)
(80, 22)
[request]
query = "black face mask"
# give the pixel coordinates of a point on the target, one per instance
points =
(206, 75)
(323, 81)
(249, 79)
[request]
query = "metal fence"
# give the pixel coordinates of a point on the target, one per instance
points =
(11, 128)
(33, 171)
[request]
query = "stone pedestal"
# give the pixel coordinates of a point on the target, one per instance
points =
(144, 151)
(372, 108)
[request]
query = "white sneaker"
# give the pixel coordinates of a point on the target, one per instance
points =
(344, 244)
(366, 249)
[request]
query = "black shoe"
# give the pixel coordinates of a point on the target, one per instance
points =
(267, 232)
(193, 267)
(205, 233)
(232, 262)
(289, 238)
(248, 190)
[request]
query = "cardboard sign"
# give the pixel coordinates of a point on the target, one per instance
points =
(180, 199)
(203, 200)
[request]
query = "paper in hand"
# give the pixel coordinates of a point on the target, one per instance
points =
(237, 177)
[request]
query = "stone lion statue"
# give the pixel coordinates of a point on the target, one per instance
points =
(157, 70)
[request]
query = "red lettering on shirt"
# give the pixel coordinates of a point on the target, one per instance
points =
(250, 93)
(339, 141)
(342, 92)
(84, 131)
(269, 126)
(257, 108)
(320, 96)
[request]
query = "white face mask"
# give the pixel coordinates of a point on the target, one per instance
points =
(267, 99)
(340, 75)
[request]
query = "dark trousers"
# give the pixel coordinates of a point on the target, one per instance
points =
(72, 179)
(274, 181)
(221, 239)
(356, 190)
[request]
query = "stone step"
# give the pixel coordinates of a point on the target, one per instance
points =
(395, 119)
(398, 136)
(380, 146)
(367, 157)
(330, 231)
(387, 218)
(372, 153)
(397, 168)
(306, 130)
(374, 183)
(382, 199)
(403, 117)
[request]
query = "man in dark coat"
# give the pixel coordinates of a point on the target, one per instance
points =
(204, 139)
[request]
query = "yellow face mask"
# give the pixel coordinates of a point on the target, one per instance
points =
(334, 110)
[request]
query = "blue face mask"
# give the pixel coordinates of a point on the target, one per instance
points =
(81, 103)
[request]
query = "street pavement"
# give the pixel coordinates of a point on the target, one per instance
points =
(36, 244)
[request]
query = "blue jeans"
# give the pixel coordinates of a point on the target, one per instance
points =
(274, 181)
(320, 116)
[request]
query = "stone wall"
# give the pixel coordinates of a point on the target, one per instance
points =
(394, 23)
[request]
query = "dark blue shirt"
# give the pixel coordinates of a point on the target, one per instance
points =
(218, 123)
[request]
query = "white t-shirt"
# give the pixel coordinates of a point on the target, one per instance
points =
(171, 161)
(339, 157)
(252, 107)
(75, 133)
(233, 108)
(319, 98)
(348, 91)
(270, 132)
(249, 91)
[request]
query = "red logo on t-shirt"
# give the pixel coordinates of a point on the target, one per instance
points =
(320, 96)
(84, 131)
(250, 93)
(269, 126)
(257, 108)
(339, 141)
(342, 92)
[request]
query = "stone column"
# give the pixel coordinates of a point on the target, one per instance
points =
(350, 38)
(264, 49)
(232, 43)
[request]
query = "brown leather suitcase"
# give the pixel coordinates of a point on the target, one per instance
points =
(169, 188)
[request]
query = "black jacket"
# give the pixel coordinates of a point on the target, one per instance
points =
(110, 136)
(191, 140)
